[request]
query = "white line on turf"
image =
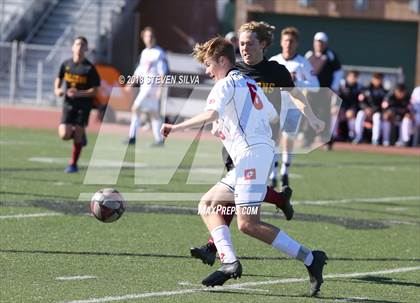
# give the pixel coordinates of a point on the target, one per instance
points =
(186, 283)
(353, 299)
(22, 216)
(71, 278)
(240, 285)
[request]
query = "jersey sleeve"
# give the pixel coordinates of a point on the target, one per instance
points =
(219, 96)
(94, 79)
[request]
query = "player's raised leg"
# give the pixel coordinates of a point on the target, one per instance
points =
(313, 260)
(207, 252)
(248, 193)
(65, 131)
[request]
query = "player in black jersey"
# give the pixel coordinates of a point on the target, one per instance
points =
(254, 38)
(81, 81)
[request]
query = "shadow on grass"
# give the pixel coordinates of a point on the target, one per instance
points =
(319, 298)
(382, 280)
(128, 254)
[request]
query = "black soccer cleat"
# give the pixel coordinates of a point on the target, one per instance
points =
(285, 180)
(315, 271)
(225, 272)
(206, 253)
(287, 207)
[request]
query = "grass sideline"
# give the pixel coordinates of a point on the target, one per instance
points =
(146, 253)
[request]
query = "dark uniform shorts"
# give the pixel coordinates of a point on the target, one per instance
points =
(76, 114)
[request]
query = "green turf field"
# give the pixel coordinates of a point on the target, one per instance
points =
(362, 209)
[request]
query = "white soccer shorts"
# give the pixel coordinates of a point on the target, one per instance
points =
(248, 180)
(146, 100)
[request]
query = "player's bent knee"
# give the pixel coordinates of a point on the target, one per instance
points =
(64, 132)
(204, 203)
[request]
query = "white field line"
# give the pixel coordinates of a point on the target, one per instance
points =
(71, 278)
(186, 283)
(23, 216)
(239, 286)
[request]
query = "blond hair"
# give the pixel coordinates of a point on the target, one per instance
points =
(214, 49)
(293, 31)
(263, 30)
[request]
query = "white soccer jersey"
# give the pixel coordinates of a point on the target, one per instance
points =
(244, 113)
(300, 68)
(152, 62)
(303, 76)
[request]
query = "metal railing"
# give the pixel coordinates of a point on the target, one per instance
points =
(26, 77)
(68, 32)
(41, 21)
(8, 24)
(392, 75)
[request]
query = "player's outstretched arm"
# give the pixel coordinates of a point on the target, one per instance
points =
(197, 121)
(302, 104)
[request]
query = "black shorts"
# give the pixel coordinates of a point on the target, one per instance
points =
(76, 114)
(227, 160)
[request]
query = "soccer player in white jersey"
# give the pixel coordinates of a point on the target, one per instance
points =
(243, 113)
(303, 76)
(153, 64)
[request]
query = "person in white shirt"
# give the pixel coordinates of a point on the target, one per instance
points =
(415, 107)
(327, 68)
(243, 114)
(152, 64)
(303, 76)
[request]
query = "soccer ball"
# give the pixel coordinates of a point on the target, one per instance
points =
(107, 205)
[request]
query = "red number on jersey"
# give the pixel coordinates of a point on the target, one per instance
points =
(254, 97)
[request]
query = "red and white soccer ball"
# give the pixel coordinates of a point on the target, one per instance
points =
(107, 205)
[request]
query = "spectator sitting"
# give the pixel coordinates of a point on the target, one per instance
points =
(370, 101)
(349, 91)
(396, 113)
